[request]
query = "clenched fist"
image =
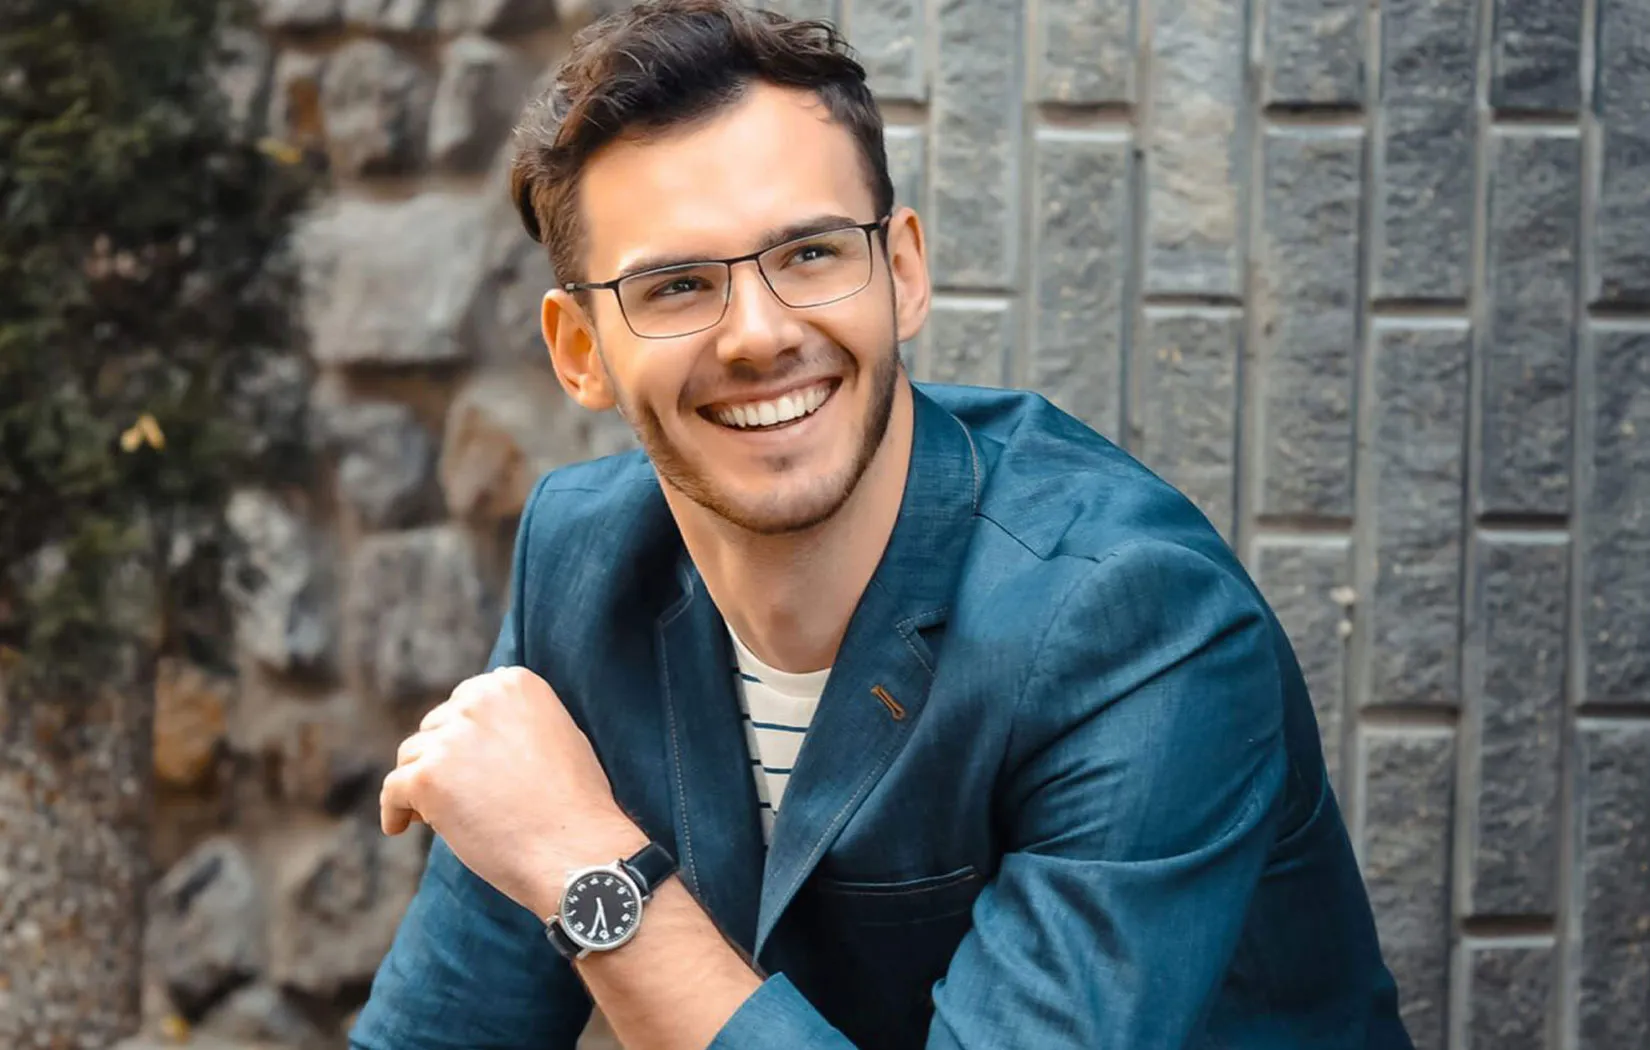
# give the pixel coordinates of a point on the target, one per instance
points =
(505, 777)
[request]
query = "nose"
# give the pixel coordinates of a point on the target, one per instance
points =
(757, 327)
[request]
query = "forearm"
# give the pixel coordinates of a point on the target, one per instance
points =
(676, 982)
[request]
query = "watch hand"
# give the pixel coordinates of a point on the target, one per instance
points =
(599, 926)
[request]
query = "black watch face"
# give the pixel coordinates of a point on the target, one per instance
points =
(600, 910)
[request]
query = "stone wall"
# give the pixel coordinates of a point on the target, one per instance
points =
(1369, 282)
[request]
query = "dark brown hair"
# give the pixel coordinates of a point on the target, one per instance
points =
(662, 64)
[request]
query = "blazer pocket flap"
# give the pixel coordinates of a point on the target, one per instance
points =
(897, 903)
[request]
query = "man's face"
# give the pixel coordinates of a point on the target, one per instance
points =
(746, 179)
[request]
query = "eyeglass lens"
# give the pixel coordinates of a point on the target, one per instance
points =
(809, 271)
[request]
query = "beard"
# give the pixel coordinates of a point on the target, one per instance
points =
(799, 508)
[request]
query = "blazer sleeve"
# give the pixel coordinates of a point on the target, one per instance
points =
(470, 969)
(1141, 790)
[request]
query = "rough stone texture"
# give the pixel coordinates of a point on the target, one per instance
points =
(295, 99)
(1621, 265)
(1314, 53)
(976, 125)
(191, 717)
(1184, 419)
(1510, 989)
(1529, 348)
(1616, 614)
(277, 584)
(1085, 52)
(394, 283)
(336, 909)
(1079, 273)
(1614, 887)
(1519, 620)
(1307, 585)
(262, 1013)
(969, 341)
(906, 149)
(309, 751)
(396, 16)
(511, 16)
(1420, 418)
(504, 430)
(299, 14)
(480, 92)
(1406, 837)
(420, 617)
(1424, 202)
(1193, 151)
(376, 104)
(1307, 301)
(1536, 56)
(205, 927)
(242, 74)
(385, 460)
(889, 35)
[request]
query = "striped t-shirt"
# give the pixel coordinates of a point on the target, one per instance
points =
(778, 707)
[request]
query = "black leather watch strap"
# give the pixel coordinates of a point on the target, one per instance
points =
(650, 866)
(559, 940)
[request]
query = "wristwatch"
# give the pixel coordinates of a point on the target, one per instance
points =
(601, 907)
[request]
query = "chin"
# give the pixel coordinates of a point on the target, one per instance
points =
(799, 509)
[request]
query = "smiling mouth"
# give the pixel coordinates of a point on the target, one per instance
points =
(774, 414)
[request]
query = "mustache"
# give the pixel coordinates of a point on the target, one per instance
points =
(731, 379)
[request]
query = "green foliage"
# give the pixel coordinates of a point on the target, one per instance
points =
(145, 327)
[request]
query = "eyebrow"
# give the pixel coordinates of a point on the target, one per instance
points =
(770, 239)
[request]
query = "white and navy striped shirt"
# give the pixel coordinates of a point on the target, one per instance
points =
(779, 707)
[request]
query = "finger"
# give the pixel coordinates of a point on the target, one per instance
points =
(411, 749)
(464, 694)
(396, 809)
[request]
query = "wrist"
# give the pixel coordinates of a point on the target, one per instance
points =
(614, 839)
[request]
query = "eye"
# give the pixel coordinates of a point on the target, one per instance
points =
(812, 251)
(677, 285)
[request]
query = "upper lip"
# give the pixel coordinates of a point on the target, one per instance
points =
(766, 395)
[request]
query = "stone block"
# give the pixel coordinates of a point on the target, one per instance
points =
(420, 616)
(1085, 52)
(516, 16)
(376, 105)
(205, 935)
(889, 36)
(337, 904)
(394, 282)
(1307, 584)
(191, 719)
(1529, 347)
(1616, 523)
(1418, 452)
(1183, 419)
(1535, 61)
(1425, 193)
(1621, 263)
(504, 430)
(299, 14)
(1194, 152)
(975, 131)
(1509, 995)
(385, 459)
(1079, 273)
(263, 1014)
(1314, 53)
(1614, 892)
(1516, 663)
(277, 585)
(1307, 295)
(482, 86)
(812, 9)
(395, 16)
(317, 752)
(1408, 776)
(907, 151)
(969, 341)
(241, 70)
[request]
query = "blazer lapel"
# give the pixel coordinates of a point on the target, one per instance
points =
(879, 685)
(718, 834)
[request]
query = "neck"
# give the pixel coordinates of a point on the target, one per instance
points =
(790, 597)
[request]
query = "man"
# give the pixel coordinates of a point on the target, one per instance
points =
(889, 717)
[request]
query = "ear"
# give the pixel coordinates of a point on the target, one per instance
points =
(571, 340)
(908, 264)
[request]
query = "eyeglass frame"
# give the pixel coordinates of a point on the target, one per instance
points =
(868, 228)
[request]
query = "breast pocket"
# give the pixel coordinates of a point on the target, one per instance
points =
(891, 942)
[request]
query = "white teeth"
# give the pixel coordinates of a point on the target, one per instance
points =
(781, 410)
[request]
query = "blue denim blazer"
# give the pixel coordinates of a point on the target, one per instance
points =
(1094, 813)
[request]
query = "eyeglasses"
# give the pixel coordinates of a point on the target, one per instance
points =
(679, 300)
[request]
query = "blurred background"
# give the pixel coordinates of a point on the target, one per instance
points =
(1370, 281)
